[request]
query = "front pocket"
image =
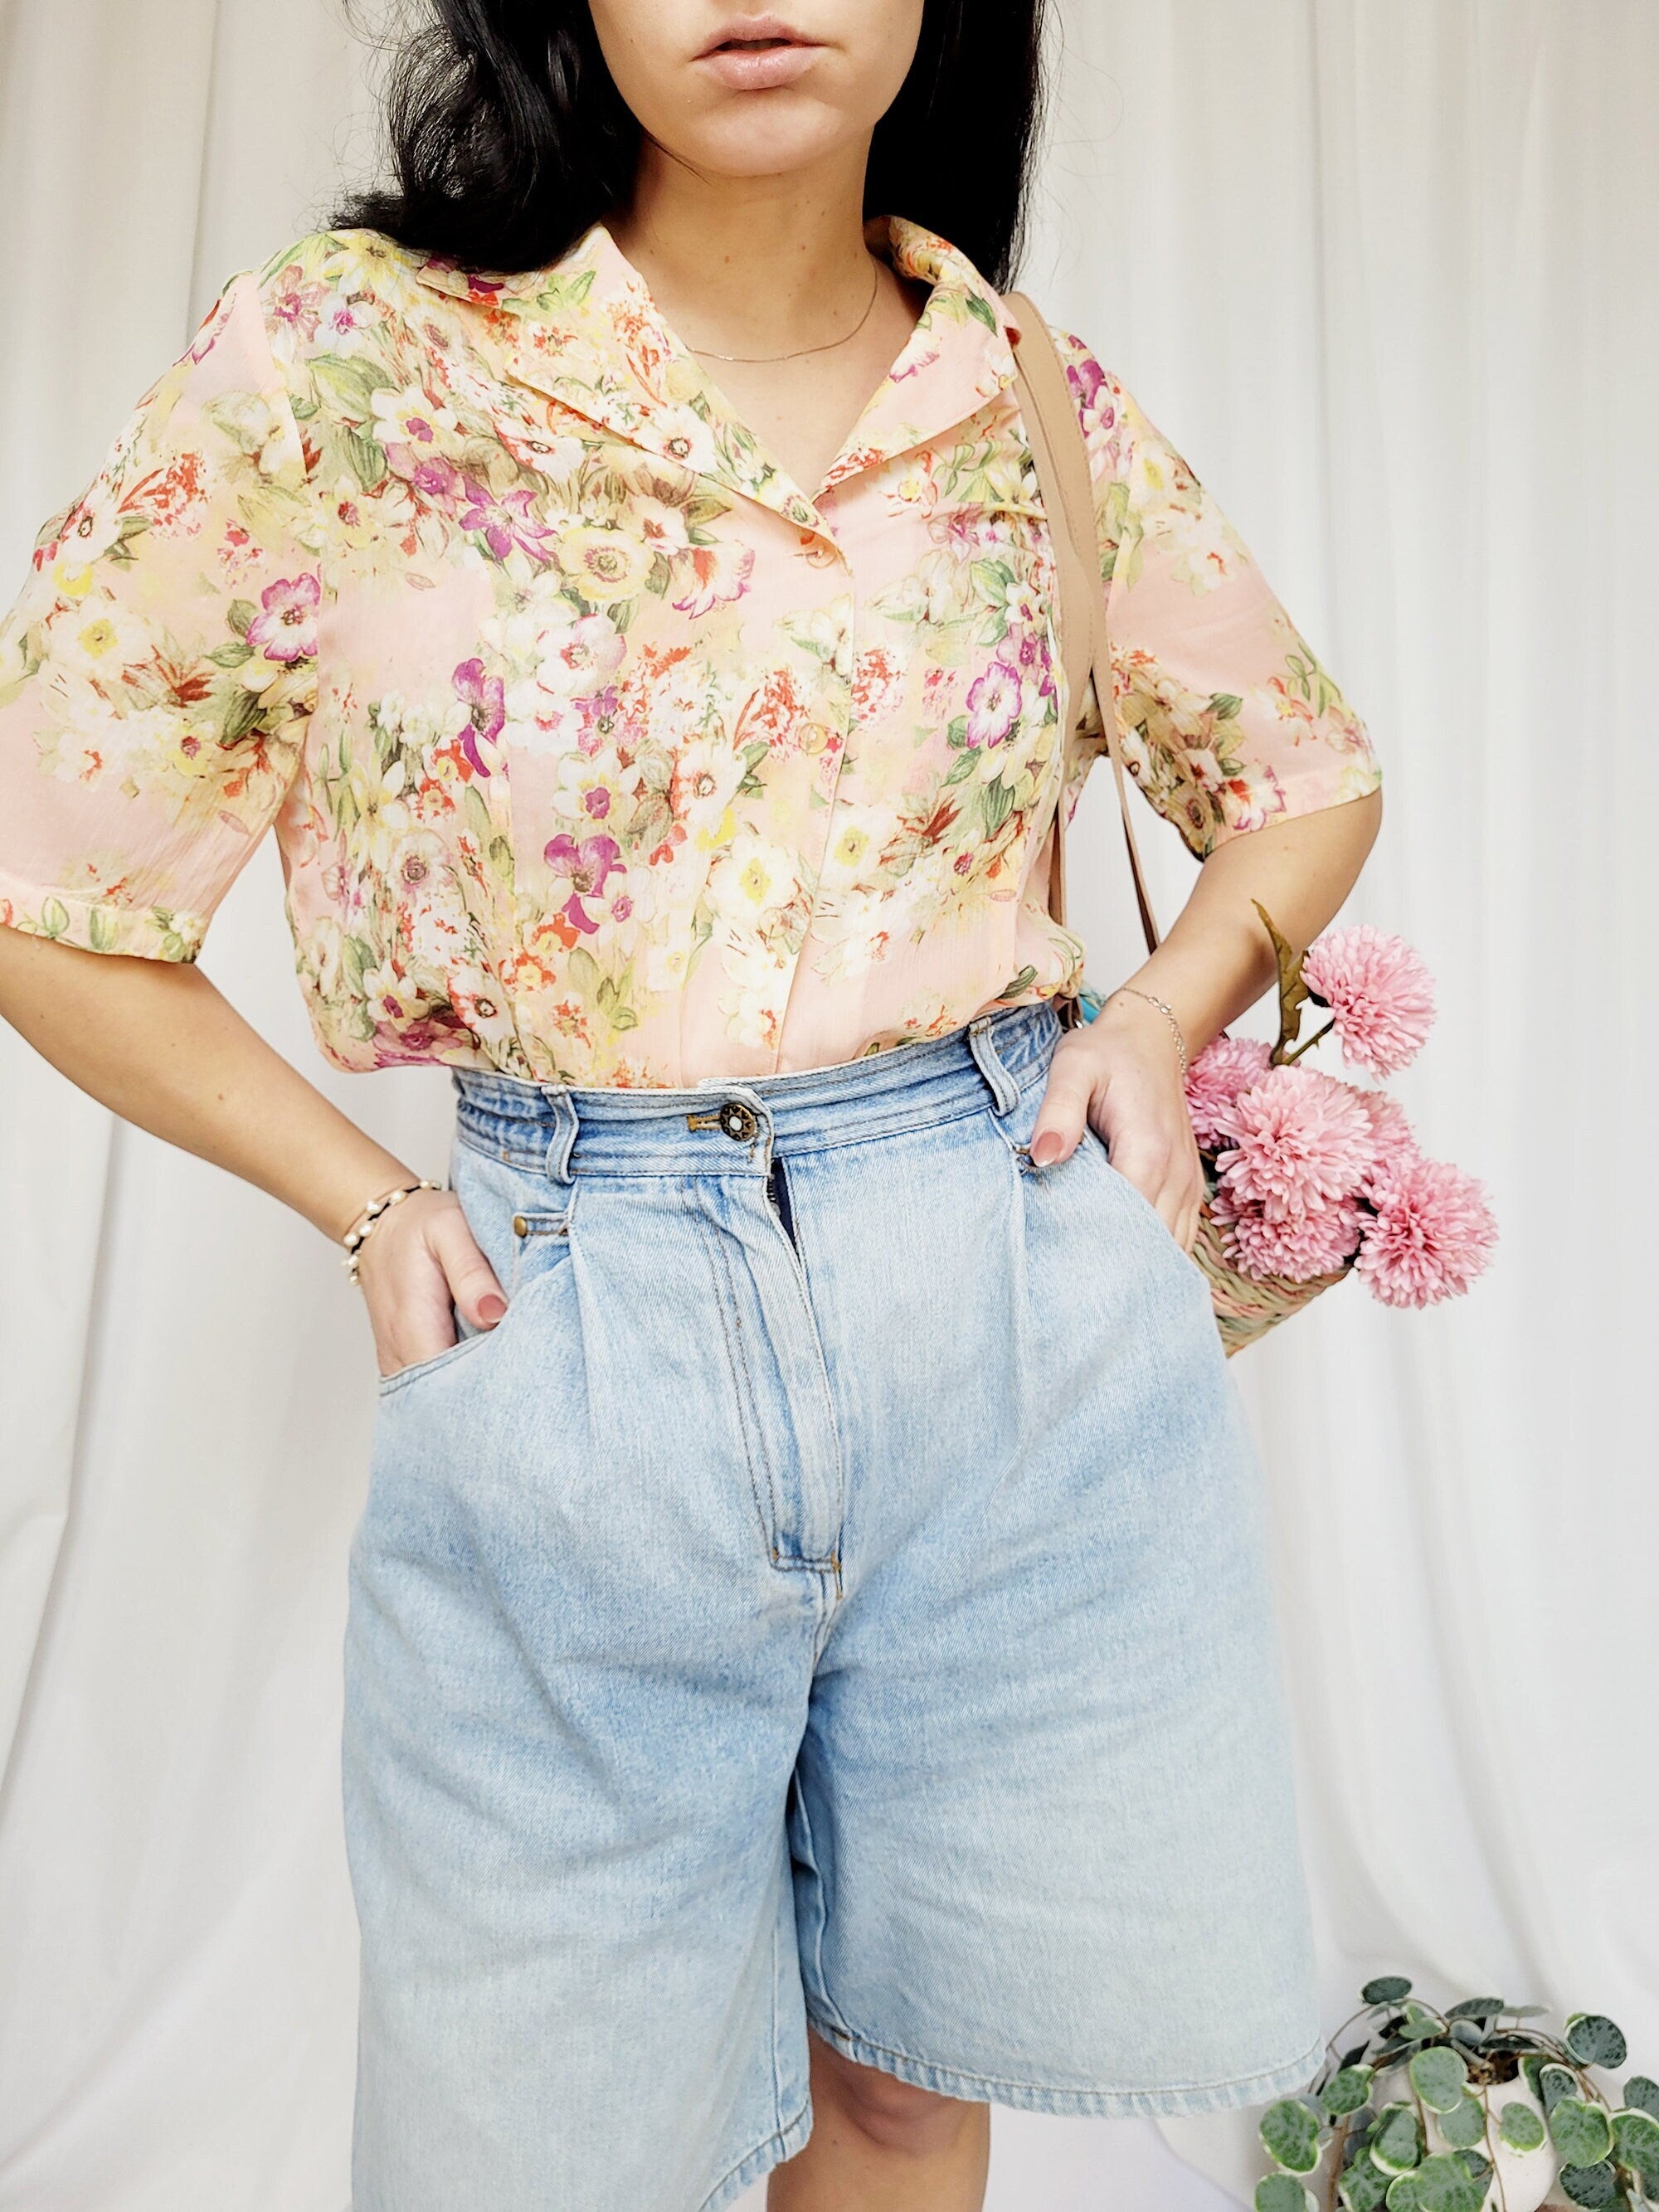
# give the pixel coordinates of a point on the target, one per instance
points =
(541, 1241)
(421, 1367)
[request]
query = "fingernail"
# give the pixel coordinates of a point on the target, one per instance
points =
(490, 1309)
(1048, 1148)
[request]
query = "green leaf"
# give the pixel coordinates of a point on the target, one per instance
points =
(100, 929)
(1581, 2131)
(1397, 2146)
(1636, 2142)
(1387, 1989)
(54, 917)
(1419, 2024)
(237, 655)
(1477, 2008)
(1476, 2165)
(1402, 2194)
(1290, 2134)
(981, 310)
(1595, 2040)
(1554, 2082)
(1364, 2188)
(1279, 2193)
(366, 459)
(1444, 2184)
(239, 614)
(1226, 706)
(242, 710)
(1465, 2125)
(1520, 2127)
(1292, 997)
(1596, 2186)
(1345, 2091)
(1439, 2077)
(961, 767)
(1641, 2095)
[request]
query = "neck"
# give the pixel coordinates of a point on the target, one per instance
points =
(751, 264)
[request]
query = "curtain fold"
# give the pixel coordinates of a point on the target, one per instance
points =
(1383, 269)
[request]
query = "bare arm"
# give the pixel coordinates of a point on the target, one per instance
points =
(158, 1044)
(1121, 1072)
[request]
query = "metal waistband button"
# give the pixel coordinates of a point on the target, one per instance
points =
(738, 1121)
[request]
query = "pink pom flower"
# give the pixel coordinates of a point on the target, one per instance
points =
(1379, 991)
(1392, 1135)
(1298, 1248)
(1303, 1140)
(1432, 1234)
(1225, 1067)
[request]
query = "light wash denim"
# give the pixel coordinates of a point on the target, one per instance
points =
(836, 1595)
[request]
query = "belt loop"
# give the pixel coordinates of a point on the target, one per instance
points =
(981, 1042)
(565, 1125)
(764, 1133)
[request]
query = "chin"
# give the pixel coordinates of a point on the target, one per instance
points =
(763, 135)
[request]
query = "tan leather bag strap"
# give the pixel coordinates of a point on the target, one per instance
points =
(1055, 432)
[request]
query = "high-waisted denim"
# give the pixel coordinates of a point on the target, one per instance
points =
(834, 1594)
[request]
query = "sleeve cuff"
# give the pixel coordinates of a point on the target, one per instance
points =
(96, 925)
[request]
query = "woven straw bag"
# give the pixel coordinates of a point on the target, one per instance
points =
(1246, 1306)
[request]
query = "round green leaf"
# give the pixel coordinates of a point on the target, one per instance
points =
(1439, 2076)
(1520, 2127)
(1465, 2125)
(1555, 2082)
(1636, 2143)
(1594, 2186)
(1397, 2145)
(1595, 2040)
(1477, 2008)
(1641, 2095)
(1476, 2165)
(1402, 2194)
(1471, 2033)
(1580, 2132)
(1345, 2091)
(1387, 1989)
(1290, 2134)
(1445, 2185)
(1364, 2188)
(1420, 2023)
(1279, 2193)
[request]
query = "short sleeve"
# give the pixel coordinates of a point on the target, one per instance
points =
(1228, 721)
(158, 670)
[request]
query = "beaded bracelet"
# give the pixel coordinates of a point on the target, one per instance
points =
(1169, 1014)
(352, 1239)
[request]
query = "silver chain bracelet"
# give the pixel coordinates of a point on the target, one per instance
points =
(1168, 1012)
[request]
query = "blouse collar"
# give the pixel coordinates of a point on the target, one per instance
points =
(586, 331)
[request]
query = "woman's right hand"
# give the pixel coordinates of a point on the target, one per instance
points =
(418, 1259)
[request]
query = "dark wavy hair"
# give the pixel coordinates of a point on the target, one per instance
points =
(509, 136)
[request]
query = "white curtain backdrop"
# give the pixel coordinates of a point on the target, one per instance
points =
(1385, 270)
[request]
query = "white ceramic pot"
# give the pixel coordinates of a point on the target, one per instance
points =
(1527, 2175)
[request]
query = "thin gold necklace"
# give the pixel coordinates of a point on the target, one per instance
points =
(800, 353)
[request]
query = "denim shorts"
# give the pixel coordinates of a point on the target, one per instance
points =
(835, 1595)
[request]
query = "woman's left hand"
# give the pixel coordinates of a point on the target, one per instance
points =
(1121, 1073)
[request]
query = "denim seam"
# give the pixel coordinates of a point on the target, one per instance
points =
(738, 1364)
(821, 1905)
(772, 2151)
(843, 2037)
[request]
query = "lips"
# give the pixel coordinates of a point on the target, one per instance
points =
(757, 53)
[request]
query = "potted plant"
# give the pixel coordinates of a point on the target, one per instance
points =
(1474, 2109)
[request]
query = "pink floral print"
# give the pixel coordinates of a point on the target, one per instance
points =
(597, 750)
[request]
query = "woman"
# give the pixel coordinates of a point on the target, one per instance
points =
(808, 1625)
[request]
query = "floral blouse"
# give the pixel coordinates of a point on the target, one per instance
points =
(597, 750)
